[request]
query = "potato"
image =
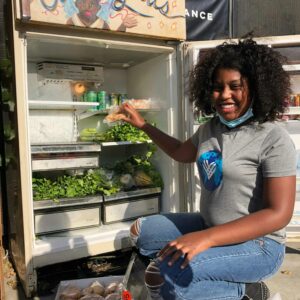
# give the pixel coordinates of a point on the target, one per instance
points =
(87, 291)
(70, 293)
(111, 288)
(113, 296)
(98, 288)
(92, 297)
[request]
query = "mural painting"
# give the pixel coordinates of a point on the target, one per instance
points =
(162, 18)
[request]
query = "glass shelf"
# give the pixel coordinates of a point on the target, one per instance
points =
(108, 144)
(68, 105)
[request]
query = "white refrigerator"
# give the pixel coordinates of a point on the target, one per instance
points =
(47, 117)
(48, 61)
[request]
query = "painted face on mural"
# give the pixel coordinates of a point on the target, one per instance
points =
(88, 10)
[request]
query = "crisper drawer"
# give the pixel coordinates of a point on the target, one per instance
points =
(63, 163)
(66, 214)
(126, 206)
(63, 156)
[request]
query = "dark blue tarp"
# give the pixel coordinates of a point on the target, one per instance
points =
(207, 19)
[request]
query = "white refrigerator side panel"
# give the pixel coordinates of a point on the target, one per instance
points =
(23, 209)
(160, 84)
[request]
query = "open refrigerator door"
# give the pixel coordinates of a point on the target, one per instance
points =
(292, 124)
(289, 46)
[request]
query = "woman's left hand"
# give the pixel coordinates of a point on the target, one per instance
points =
(187, 245)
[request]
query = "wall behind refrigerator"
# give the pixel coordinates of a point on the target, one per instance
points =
(266, 18)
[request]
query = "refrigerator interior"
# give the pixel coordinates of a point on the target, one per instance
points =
(142, 71)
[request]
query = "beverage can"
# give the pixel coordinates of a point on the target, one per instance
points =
(90, 96)
(114, 99)
(122, 98)
(107, 101)
(101, 97)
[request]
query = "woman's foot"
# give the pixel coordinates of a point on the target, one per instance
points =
(256, 291)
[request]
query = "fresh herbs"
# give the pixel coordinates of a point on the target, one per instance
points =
(120, 132)
(125, 132)
(91, 183)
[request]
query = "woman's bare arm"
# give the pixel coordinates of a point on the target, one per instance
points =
(179, 151)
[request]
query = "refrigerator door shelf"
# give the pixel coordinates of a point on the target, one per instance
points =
(66, 214)
(292, 69)
(293, 110)
(293, 228)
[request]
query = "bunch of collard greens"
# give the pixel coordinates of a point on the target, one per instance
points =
(66, 186)
(125, 132)
(117, 133)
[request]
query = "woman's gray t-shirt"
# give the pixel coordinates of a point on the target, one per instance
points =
(232, 164)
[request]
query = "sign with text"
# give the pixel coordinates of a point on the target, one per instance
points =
(207, 19)
(158, 18)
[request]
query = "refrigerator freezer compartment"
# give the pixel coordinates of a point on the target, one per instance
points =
(70, 161)
(124, 206)
(66, 214)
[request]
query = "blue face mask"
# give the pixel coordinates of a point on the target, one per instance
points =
(231, 124)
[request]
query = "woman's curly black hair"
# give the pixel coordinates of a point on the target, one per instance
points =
(269, 84)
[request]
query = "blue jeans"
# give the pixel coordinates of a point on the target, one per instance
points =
(217, 273)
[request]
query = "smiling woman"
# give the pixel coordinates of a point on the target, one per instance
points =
(247, 166)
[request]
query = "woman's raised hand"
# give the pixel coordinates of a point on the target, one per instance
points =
(132, 116)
